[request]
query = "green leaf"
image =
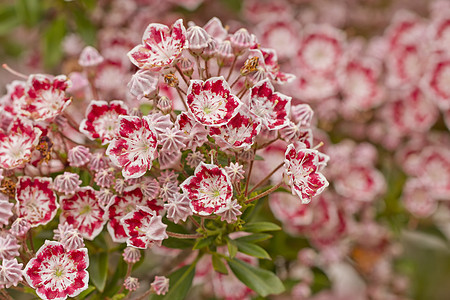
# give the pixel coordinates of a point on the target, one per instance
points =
(98, 269)
(84, 26)
(203, 242)
(218, 264)
(53, 38)
(252, 250)
(261, 281)
(232, 248)
(180, 282)
(118, 297)
(175, 243)
(28, 11)
(86, 292)
(260, 227)
(254, 238)
(8, 19)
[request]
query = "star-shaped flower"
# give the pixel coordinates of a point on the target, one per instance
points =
(35, 200)
(209, 189)
(144, 228)
(102, 119)
(56, 273)
(302, 169)
(135, 147)
(211, 101)
(160, 47)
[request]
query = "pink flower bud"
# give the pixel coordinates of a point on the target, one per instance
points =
(198, 38)
(90, 57)
(143, 84)
(78, 156)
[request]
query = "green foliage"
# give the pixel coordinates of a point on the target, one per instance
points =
(252, 250)
(261, 281)
(218, 264)
(180, 282)
(53, 37)
(261, 227)
(98, 269)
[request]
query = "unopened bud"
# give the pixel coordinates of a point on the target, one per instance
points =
(164, 105)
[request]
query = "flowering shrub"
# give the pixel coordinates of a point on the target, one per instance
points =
(284, 156)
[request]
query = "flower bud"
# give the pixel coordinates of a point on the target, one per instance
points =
(224, 53)
(143, 84)
(198, 39)
(241, 40)
(186, 66)
(164, 105)
(90, 57)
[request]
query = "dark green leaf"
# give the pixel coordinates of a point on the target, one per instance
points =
(28, 11)
(175, 243)
(232, 248)
(86, 292)
(260, 227)
(98, 269)
(252, 250)
(203, 242)
(180, 282)
(261, 281)
(53, 38)
(218, 264)
(254, 238)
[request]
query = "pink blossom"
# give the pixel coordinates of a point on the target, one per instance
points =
(17, 144)
(36, 201)
(195, 132)
(56, 273)
(78, 156)
(172, 140)
(131, 283)
(230, 211)
(144, 84)
(104, 178)
(20, 227)
(45, 97)
(235, 171)
(102, 120)
(90, 57)
(5, 209)
(178, 208)
(135, 147)
(208, 189)
(144, 228)
(211, 102)
(9, 247)
(160, 285)
(193, 159)
(10, 272)
(131, 255)
(302, 170)
(67, 183)
(83, 211)
(160, 47)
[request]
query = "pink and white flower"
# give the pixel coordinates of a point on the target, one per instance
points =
(230, 211)
(121, 206)
(239, 133)
(10, 272)
(45, 97)
(211, 102)
(144, 228)
(209, 189)
(35, 200)
(56, 273)
(102, 119)
(160, 47)
(83, 211)
(418, 200)
(178, 208)
(321, 49)
(160, 285)
(135, 147)
(17, 144)
(5, 209)
(195, 132)
(270, 107)
(435, 81)
(302, 168)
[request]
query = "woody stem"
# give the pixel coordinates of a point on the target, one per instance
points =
(272, 189)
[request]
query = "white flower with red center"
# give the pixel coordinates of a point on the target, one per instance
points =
(83, 212)
(359, 85)
(406, 65)
(435, 171)
(35, 200)
(45, 96)
(102, 119)
(302, 169)
(211, 102)
(406, 28)
(121, 206)
(209, 189)
(17, 144)
(359, 183)
(56, 273)
(436, 82)
(270, 107)
(279, 34)
(313, 87)
(412, 112)
(195, 132)
(417, 199)
(161, 46)
(144, 228)
(321, 49)
(239, 133)
(135, 147)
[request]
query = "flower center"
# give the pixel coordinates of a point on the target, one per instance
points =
(86, 209)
